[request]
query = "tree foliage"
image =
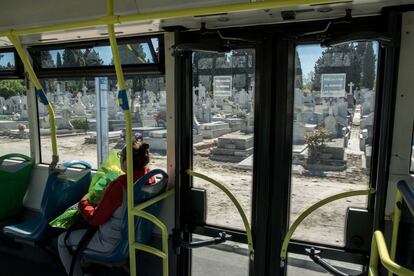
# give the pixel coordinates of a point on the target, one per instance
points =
(58, 60)
(356, 60)
(9, 88)
(368, 67)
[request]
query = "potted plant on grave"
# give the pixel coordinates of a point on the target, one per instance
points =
(316, 141)
(21, 127)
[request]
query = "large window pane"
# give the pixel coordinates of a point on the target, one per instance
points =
(334, 102)
(14, 125)
(76, 107)
(223, 95)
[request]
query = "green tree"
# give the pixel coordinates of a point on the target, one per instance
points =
(368, 67)
(47, 61)
(132, 53)
(89, 57)
(70, 58)
(9, 88)
(299, 74)
(58, 60)
(338, 59)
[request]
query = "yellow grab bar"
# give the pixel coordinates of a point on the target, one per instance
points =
(379, 250)
(40, 94)
(123, 102)
(308, 211)
(139, 212)
(235, 202)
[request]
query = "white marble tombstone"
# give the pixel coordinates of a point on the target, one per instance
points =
(330, 125)
(163, 98)
(24, 112)
(242, 98)
(79, 108)
(65, 122)
(298, 99)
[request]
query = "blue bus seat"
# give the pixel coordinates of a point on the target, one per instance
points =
(143, 228)
(63, 189)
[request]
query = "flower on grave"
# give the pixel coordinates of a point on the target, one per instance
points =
(21, 127)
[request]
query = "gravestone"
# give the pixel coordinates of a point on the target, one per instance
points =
(298, 100)
(79, 108)
(242, 98)
(214, 129)
(330, 125)
(233, 147)
(24, 111)
(299, 130)
(65, 123)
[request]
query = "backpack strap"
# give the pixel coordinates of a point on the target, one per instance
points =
(90, 232)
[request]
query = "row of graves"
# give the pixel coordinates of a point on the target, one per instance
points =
(15, 117)
(148, 111)
(348, 122)
(224, 120)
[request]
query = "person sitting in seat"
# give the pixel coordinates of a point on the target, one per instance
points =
(108, 215)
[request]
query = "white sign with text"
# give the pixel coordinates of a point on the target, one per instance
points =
(223, 86)
(333, 85)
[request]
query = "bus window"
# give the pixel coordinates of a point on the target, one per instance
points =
(75, 101)
(14, 124)
(131, 53)
(334, 112)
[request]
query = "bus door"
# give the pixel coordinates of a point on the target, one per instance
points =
(215, 120)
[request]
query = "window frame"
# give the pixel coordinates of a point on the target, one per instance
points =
(18, 71)
(156, 68)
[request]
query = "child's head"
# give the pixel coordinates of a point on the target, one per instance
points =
(140, 156)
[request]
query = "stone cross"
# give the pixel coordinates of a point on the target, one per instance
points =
(351, 85)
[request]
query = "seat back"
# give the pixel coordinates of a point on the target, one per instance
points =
(14, 180)
(64, 189)
(143, 228)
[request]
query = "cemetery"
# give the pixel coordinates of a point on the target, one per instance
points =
(332, 137)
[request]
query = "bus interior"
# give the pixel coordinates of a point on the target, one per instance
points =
(281, 134)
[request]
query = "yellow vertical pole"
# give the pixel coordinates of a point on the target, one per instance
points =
(40, 94)
(123, 102)
(395, 226)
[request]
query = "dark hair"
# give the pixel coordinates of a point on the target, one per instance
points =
(140, 154)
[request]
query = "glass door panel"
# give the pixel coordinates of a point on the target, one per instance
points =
(223, 135)
(334, 112)
(223, 120)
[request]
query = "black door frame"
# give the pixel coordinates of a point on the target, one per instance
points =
(275, 72)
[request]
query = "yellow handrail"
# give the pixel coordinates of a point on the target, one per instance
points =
(235, 202)
(379, 250)
(40, 94)
(171, 14)
(308, 211)
(138, 211)
(123, 102)
(395, 226)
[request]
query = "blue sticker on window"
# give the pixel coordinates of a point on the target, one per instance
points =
(123, 99)
(42, 96)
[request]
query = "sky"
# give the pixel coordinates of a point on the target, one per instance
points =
(7, 57)
(105, 52)
(309, 54)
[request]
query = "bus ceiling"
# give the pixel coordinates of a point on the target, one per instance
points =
(160, 15)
